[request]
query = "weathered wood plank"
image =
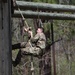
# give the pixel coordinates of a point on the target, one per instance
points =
(5, 40)
(45, 15)
(44, 6)
(0, 40)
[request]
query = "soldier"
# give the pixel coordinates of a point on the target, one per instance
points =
(36, 44)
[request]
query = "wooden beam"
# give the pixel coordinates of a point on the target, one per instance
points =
(44, 15)
(44, 6)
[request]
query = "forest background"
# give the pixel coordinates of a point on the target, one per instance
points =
(64, 48)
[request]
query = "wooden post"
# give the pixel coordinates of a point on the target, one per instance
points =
(53, 49)
(5, 38)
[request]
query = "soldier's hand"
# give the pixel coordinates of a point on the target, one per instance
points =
(25, 29)
(30, 33)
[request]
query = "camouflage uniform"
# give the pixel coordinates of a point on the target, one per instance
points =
(37, 44)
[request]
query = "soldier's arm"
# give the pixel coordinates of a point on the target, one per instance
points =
(25, 29)
(35, 38)
(30, 33)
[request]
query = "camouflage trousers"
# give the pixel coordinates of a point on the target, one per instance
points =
(31, 50)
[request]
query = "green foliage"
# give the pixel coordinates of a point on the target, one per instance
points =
(62, 29)
(73, 2)
(47, 30)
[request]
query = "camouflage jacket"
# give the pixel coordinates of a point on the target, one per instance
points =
(40, 40)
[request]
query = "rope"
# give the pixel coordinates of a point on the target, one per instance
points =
(21, 14)
(32, 67)
(23, 18)
(39, 20)
(38, 12)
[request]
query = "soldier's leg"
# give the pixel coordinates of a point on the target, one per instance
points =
(37, 51)
(31, 50)
(25, 51)
(19, 45)
(18, 59)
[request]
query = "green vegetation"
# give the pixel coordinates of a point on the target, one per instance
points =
(64, 49)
